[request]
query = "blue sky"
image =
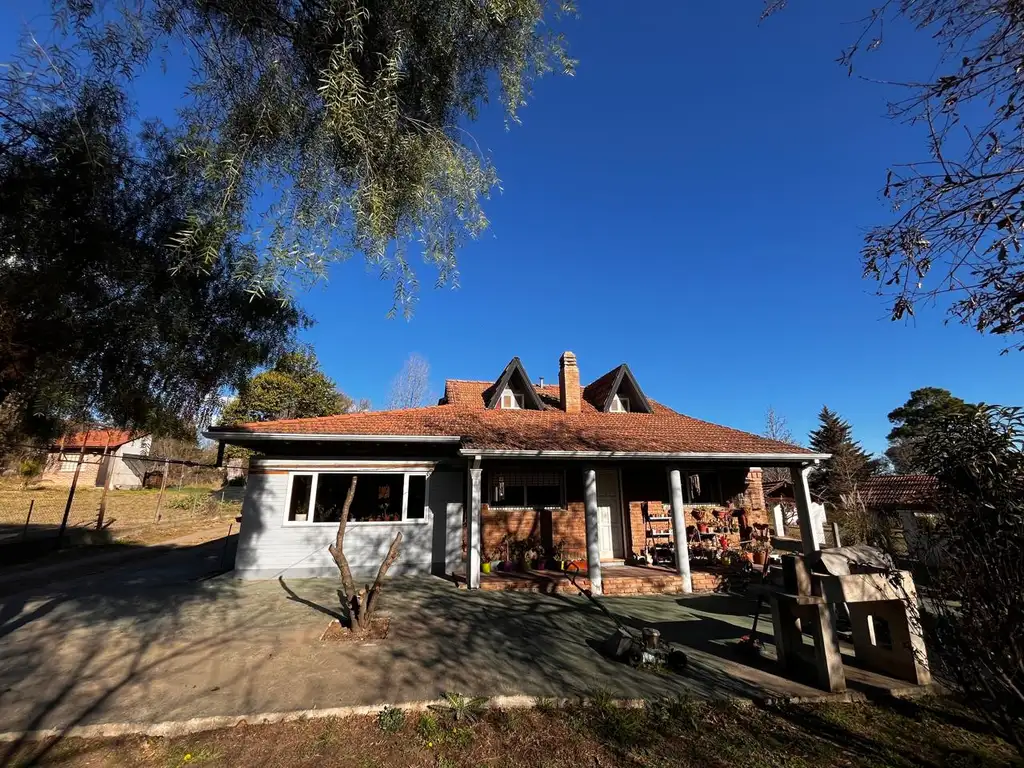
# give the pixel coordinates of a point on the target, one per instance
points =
(692, 203)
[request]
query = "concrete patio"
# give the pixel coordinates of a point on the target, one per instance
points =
(160, 641)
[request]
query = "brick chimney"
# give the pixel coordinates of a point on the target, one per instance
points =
(569, 383)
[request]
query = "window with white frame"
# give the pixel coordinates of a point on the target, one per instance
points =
(512, 400)
(319, 497)
(620, 404)
(525, 488)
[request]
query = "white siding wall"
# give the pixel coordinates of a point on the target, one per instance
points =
(267, 547)
(125, 473)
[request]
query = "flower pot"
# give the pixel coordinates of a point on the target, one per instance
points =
(486, 567)
(702, 527)
(760, 558)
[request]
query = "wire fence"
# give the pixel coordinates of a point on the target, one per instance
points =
(74, 498)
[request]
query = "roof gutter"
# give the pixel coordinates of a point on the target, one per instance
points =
(766, 458)
(228, 436)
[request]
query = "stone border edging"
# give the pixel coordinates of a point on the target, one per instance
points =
(217, 722)
(173, 728)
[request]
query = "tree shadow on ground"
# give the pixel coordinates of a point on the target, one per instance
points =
(309, 603)
(68, 649)
(484, 643)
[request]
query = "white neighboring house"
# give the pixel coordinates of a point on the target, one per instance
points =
(108, 455)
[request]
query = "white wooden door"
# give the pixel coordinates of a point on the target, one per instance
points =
(609, 514)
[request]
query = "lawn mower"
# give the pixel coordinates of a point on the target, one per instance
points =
(638, 648)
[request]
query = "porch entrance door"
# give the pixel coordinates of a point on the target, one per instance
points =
(609, 514)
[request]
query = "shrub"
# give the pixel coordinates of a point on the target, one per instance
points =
(391, 719)
(29, 469)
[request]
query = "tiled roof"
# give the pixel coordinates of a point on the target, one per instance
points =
(462, 413)
(99, 438)
(898, 490)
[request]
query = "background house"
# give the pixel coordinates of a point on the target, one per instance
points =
(108, 454)
(908, 502)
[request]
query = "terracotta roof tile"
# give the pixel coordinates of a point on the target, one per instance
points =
(898, 490)
(99, 438)
(463, 414)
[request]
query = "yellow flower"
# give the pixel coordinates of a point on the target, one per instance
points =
(430, 743)
(188, 757)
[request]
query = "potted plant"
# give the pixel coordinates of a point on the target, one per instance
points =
(698, 515)
(759, 549)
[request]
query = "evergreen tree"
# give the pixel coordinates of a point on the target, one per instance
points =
(295, 388)
(912, 421)
(850, 463)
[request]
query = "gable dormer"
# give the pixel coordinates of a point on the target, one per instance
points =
(513, 390)
(617, 392)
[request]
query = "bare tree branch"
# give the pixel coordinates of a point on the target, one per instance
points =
(411, 388)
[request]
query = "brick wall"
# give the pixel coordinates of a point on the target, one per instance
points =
(757, 512)
(552, 527)
(86, 477)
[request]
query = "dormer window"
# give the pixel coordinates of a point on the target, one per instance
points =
(617, 392)
(512, 400)
(513, 390)
(619, 404)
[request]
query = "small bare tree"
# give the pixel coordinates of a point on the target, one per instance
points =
(411, 387)
(776, 428)
(361, 604)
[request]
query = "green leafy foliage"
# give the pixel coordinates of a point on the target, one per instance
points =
(391, 719)
(339, 124)
(295, 388)
(98, 320)
(912, 422)
(975, 563)
(461, 708)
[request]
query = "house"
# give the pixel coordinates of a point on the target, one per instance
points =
(109, 454)
(908, 500)
(584, 468)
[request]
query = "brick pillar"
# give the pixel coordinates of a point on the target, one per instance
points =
(757, 512)
(569, 383)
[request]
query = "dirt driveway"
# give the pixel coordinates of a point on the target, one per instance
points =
(160, 641)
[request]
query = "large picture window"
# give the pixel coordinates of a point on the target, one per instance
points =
(319, 497)
(525, 488)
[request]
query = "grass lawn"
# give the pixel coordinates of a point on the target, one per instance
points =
(928, 732)
(128, 512)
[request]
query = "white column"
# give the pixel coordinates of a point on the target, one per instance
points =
(779, 520)
(473, 531)
(590, 516)
(810, 531)
(675, 485)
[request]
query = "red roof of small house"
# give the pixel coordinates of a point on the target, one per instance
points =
(898, 490)
(462, 413)
(99, 438)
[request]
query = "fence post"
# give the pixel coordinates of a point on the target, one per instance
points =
(24, 533)
(105, 466)
(224, 551)
(835, 534)
(71, 491)
(163, 485)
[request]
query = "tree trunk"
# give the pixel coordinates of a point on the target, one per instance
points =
(359, 604)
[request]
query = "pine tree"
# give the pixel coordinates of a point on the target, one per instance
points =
(850, 463)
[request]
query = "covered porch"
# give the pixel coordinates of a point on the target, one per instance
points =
(614, 518)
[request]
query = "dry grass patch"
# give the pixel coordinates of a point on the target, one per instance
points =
(674, 732)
